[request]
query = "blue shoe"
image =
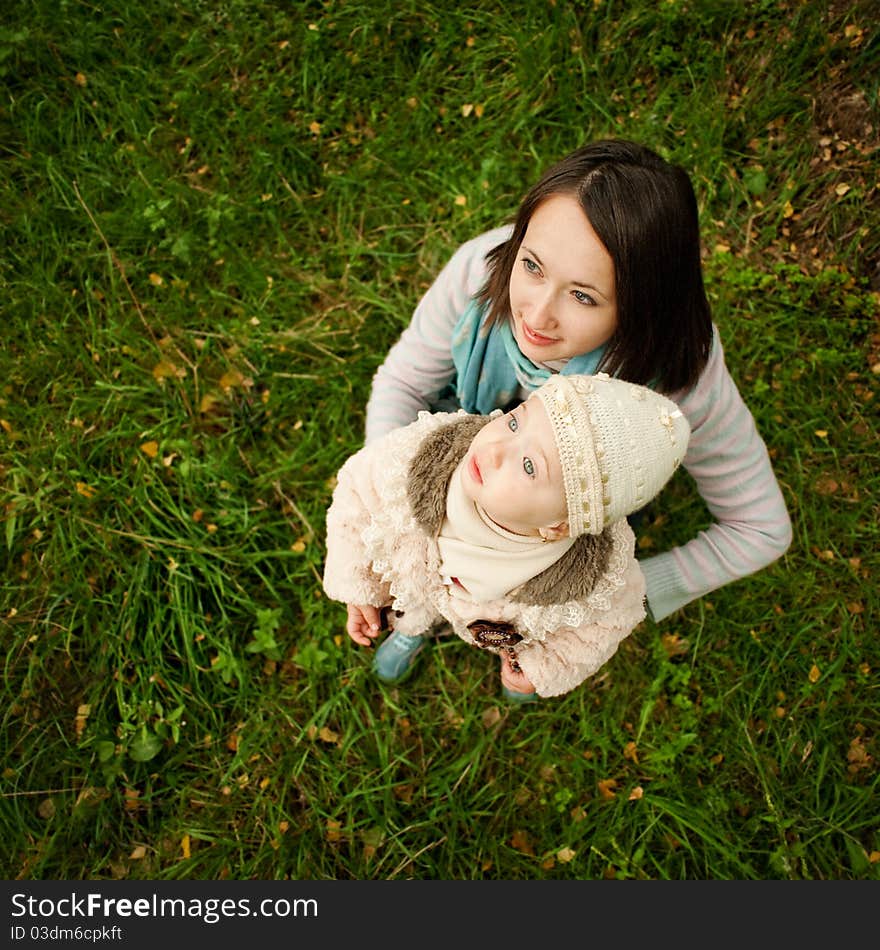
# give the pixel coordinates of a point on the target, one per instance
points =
(518, 698)
(396, 656)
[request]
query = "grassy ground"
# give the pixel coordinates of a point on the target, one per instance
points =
(217, 218)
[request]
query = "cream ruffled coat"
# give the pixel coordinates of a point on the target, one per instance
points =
(382, 526)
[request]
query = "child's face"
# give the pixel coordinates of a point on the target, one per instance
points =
(562, 288)
(512, 471)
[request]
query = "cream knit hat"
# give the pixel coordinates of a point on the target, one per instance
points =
(618, 444)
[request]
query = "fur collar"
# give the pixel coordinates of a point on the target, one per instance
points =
(572, 577)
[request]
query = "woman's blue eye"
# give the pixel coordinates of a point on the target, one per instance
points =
(529, 467)
(512, 424)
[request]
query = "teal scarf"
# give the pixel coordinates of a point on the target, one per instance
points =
(489, 365)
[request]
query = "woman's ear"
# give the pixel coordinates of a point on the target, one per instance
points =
(554, 532)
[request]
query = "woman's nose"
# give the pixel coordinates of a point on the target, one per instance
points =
(542, 312)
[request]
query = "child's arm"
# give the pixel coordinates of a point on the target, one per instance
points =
(514, 678)
(567, 657)
(348, 570)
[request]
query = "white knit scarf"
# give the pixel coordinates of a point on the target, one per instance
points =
(487, 560)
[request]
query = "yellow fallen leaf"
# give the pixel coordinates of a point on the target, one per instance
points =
(132, 799)
(636, 793)
(822, 433)
(207, 403)
(184, 846)
(674, 645)
(156, 280)
(460, 200)
(814, 673)
(521, 841)
(231, 378)
(80, 79)
(788, 211)
(328, 735)
(138, 854)
(298, 546)
(82, 716)
(606, 788)
(467, 109)
(85, 490)
(165, 369)
(857, 756)
(841, 190)
(150, 449)
(565, 855)
(315, 128)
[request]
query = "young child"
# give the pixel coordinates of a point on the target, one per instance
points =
(511, 527)
(599, 271)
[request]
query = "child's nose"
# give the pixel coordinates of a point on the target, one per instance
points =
(496, 453)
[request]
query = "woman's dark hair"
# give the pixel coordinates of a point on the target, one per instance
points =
(644, 211)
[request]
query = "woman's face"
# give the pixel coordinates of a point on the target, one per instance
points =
(562, 289)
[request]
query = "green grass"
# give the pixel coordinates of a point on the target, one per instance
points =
(217, 217)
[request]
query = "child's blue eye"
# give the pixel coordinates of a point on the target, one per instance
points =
(529, 467)
(512, 424)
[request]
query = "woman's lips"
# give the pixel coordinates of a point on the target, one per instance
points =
(474, 470)
(535, 338)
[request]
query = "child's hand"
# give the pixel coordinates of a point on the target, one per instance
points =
(364, 624)
(518, 682)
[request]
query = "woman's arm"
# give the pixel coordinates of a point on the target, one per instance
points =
(419, 365)
(729, 462)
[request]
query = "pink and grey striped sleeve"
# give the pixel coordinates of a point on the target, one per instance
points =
(728, 460)
(419, 365)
